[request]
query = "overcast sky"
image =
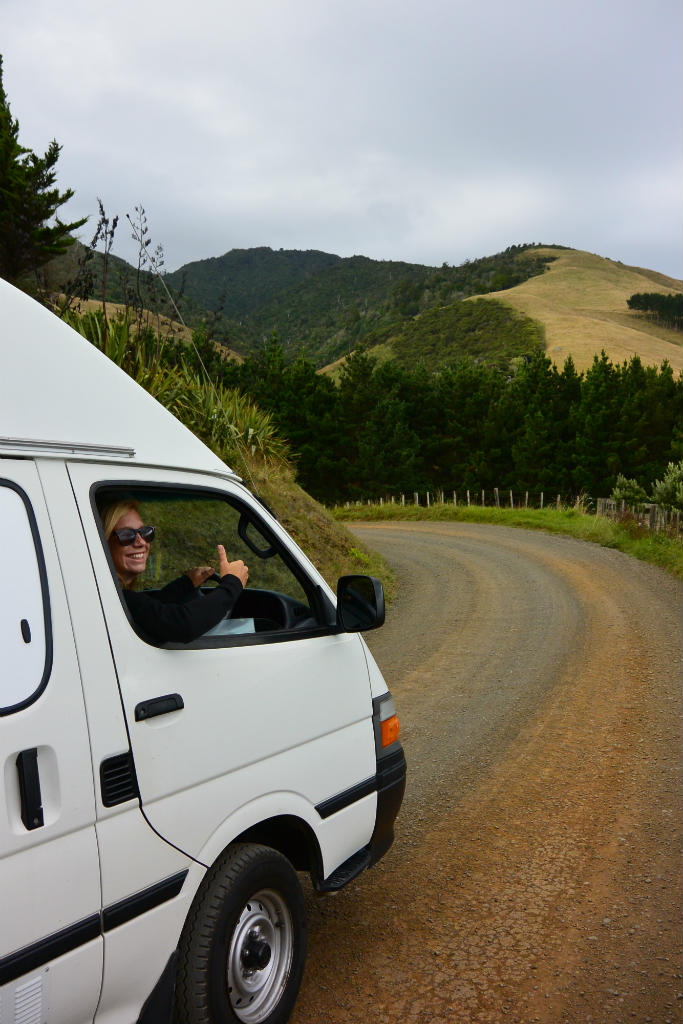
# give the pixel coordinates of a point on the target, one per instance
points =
(418, 130)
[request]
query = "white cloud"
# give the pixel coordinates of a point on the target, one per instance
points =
(424, 131)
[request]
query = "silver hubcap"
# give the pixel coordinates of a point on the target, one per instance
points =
(260, 956)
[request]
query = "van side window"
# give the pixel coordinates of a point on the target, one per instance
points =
(188, 525)
(25, 639)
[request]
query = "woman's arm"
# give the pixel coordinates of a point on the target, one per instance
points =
(183, 622)
(177, 590)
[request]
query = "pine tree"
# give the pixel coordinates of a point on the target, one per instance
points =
(30, 234)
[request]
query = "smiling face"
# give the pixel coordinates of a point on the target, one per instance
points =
(129, 561)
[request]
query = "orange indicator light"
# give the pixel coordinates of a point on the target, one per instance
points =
(390, 730)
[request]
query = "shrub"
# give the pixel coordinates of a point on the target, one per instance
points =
(233, 426)
(628, 491)
(668, 492)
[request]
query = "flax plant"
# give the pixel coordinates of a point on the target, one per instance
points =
(224, 419)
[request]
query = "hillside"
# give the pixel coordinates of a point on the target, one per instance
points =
(166, 327)
(394, 426)
(581, 303)
(486, 332)
(333, 550)
(243, 281)
(324, 306)
(316, 303)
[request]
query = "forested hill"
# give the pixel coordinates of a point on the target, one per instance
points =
(244, 280)
(494, 310)
(324, 305)
(312, 300)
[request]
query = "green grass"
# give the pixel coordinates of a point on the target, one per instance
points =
(656, 548)
(333, 550)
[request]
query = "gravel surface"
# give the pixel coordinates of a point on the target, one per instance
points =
(536, 872)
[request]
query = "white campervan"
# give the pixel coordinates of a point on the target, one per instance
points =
(159, 796)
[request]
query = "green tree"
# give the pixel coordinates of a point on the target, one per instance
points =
(629, 491)
(596, 449)
(461, 431)
(669, 490)
(30, 233)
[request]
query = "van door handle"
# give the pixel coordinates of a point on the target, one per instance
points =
(29, 789)
(158, 706)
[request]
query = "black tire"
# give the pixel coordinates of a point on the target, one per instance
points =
(243, 947)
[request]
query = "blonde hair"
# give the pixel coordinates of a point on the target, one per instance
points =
(110, 514)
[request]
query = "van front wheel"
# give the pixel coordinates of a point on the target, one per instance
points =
(243, 948)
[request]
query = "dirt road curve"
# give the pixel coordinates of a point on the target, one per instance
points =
(536, 873)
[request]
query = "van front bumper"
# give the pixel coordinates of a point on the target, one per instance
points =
(391, 784)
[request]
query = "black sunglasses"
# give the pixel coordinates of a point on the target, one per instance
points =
(127, 535)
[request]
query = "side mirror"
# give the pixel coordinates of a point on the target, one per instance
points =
(360, 603)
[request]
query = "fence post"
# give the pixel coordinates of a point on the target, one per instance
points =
(526, 499)
(541, 499)
(468, 499)
(495, 491)
(455, 499)
(403, 499)
(558, 503)
(483, 499)
(417, 500)
(381, 501)
(512, 504)
(427, 499)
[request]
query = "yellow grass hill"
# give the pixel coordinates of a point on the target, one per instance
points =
(581, 302)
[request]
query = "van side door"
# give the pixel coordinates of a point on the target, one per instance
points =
(51, 950)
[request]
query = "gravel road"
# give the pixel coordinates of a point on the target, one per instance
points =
(536, 872)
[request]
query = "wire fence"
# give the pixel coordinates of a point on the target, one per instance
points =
(647, 516)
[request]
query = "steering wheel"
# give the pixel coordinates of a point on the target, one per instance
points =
(214, 578)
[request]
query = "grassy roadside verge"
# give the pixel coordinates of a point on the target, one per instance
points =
(627, 537)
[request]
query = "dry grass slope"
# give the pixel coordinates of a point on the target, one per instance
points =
(581, 301)
(156, 322)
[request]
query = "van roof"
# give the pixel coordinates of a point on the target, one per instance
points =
(60, 396)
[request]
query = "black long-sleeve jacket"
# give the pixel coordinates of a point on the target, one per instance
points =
(177, 612)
